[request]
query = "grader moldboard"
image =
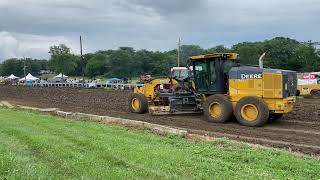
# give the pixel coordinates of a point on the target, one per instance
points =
(220, 87)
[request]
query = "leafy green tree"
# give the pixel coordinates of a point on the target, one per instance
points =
(187, 51)
(12, 66)
(16, 66)
(142, 62)
(62, 61)
(249, 52)
(218, 49)
(32, 66)
(96, 65)
(285, 53)
(121, 62)
(282, 53)
(162, 62)
(44, 64)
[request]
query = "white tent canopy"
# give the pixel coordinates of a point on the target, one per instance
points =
(60, 76)
(12, 77)
(29, 77)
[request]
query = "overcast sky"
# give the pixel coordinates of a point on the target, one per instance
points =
(29, 27)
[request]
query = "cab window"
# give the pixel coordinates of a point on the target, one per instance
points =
(200, 71)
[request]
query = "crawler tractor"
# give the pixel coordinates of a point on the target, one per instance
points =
(220, 88)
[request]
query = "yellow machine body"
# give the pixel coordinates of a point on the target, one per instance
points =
(220, 87)
(269, 88)
(308, 89)
(149, 88)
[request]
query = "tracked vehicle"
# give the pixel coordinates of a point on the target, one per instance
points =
(220, 88)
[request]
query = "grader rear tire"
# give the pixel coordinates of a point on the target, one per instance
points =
(218, 109)
(252, 111)
(138, 103)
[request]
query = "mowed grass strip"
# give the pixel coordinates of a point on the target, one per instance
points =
(38, 146)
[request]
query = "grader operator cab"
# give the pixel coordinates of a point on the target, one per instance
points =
(220, 87)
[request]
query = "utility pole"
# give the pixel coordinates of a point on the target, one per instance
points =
(24, 70)
(82, 61)
(179, 46)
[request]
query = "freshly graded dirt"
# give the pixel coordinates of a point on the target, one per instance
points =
(297, 131)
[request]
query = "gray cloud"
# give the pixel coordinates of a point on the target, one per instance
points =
(17, 45)
(152, 24)
(170, 7)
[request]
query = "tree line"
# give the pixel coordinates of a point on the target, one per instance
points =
(282, 53)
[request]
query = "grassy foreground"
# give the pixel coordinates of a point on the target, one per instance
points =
(37, 146)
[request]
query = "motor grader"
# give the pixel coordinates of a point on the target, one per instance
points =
(221, 88)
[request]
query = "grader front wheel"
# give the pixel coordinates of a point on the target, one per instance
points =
(252, 111)
(138, 103)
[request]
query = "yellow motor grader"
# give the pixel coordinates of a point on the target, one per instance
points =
(220, 87)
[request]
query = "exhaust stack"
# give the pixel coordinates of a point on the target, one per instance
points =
(261, 60)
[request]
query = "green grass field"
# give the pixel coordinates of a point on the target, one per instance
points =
(37, 146)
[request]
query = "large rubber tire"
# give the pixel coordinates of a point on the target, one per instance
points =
(140, 101)
(275, 116)
(315, 93)
(256, 106)
(222, 105)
